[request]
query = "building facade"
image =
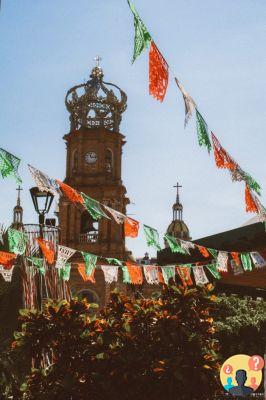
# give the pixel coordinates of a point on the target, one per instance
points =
(247, 238)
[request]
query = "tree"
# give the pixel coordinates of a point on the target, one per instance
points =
(160, 348)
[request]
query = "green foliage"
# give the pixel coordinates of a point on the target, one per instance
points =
(12, 374)
(240, 325)
(161, 348)
(133, 349)
(10, 302)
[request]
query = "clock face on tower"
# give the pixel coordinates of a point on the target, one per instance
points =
(91, 157)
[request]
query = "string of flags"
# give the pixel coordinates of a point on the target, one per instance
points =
(98, 211)
(18, 240)
(132, 273)
(131, 226)
(158, 83)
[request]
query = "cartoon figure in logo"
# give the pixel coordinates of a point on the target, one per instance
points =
(229, 384)
(253, 383)
(241, 374)
(241, 390)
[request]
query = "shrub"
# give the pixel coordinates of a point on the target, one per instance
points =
(240, 325)
(160, 348)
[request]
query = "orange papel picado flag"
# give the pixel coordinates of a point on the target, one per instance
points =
(82, 271)
(135, 273)
(70, 193)
(158, 73)
(251, 205)
(235, 257)
(222, 158)
(131, 227)
(7, 259)
(48, 250)
(204, 251)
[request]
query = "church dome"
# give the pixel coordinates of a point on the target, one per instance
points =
(96, 103)
(178, 229)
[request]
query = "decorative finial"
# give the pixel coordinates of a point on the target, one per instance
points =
(97, 72)
(97, 59)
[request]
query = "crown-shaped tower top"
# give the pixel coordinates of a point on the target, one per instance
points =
(96, 103)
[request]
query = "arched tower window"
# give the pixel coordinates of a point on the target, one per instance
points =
(18, 214)
(91, 114)
(88, 228)
(74, 160)
(109, 161)
(89, 295)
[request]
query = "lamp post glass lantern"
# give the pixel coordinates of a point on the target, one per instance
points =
(42, 202)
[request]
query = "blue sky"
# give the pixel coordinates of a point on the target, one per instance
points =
(216, 48)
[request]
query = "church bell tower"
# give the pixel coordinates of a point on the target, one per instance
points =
(93, 165)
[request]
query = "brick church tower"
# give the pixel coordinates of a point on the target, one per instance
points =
(93, 166)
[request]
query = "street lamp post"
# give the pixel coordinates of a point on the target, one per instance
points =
(42, 202)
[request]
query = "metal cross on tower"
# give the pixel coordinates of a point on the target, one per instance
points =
(177, 186)
(19, 189)
(97, 59)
